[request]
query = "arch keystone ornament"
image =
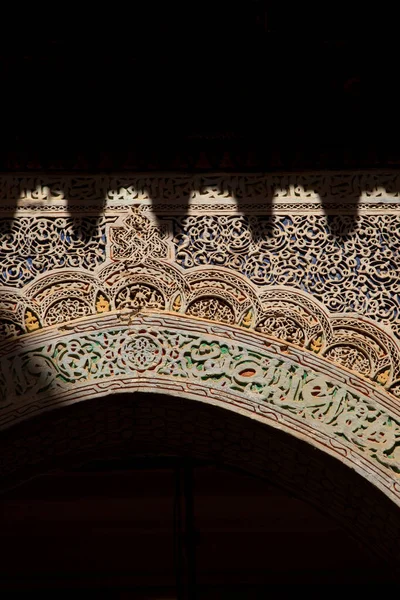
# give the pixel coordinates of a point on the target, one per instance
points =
(287, 314)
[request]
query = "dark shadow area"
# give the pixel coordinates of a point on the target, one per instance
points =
(96, 460)
(208, 88)
(115, 525)
(341, 205)
(260, 228)
(339, 195)
(341, 221)
(169, 200)
(85, 205)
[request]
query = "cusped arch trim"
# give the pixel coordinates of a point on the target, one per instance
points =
(249, 373)
(214, 293)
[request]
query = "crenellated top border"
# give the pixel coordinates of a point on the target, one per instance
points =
(341, 192)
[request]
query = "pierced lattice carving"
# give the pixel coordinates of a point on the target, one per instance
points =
(350, 357)
(212, 308)
(9, 330)
(138, 296)
(354, 272)
(31, 246)
(308, 280)
(281, 326)
(137, 239)
(67, 309)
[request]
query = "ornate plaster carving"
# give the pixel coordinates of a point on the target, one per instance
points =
(276, 295)
(294, 275)
(284, 386)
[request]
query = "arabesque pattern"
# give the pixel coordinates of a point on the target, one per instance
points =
(31, 246)
(312, 260)
(215, 363)
(274, 296)
(348, 272)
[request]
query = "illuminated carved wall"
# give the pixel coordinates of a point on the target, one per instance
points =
(280, 294)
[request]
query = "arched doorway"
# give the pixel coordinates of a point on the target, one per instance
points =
(276, 384)
(109, 528)
(155, 434)
(214, 318)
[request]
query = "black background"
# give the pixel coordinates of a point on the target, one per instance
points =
(158, 85)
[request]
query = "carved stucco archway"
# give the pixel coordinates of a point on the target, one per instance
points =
(277, 319)
(246, 372)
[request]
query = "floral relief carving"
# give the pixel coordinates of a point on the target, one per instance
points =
(350, 357)
(66, 310)
(211, 308)
(137, 296)
(283, 327)
(144, 352)
(31, 321)
(294, 276)
(355, 272)
(102, 303)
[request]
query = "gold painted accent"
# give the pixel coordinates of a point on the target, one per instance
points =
(102, 304)
(383, 377)
(316, 344)
(31, 322)
(247, 319)
(177, 304)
